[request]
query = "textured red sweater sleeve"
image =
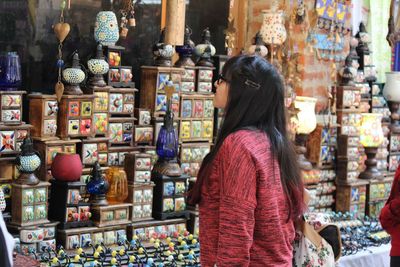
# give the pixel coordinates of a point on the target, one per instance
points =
(237, 205)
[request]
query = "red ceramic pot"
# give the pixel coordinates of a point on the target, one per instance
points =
(67, 167)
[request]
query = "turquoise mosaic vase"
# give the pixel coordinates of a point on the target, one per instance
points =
(106, 28)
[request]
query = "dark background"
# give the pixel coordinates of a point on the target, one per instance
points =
(26, 27)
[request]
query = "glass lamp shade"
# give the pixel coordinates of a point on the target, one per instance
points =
(273, 28)
(307, 120)
(167, 143)
(73, 75)
(391, 91)
(106, 30)
(371, 133)
(10, 71)
(98, 66)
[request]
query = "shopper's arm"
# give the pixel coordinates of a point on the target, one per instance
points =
(237, 206)
(390, 216)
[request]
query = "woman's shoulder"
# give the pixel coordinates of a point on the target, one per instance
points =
(246, 140)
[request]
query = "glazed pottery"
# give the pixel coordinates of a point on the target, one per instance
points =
(106, 28)
(118, 191)
(66, 167)
(371, 134)
(97, 187)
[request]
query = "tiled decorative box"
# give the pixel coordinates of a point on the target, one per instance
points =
(138, 167)
(121, 131)
(204, 82)
(122, 102)
(111, 215)
(100, 109)
(68, 206)
(11, 138)
(116, 154)
(11, 107)
(141, 197)
(29, 204)
(191, 156)
(378, 192)
(196, 118)
(92, 150)
(157, 229)
(81, 237)
(352, 197)
(43, 112)
(188, 80)
(153, 81)
(75, 116)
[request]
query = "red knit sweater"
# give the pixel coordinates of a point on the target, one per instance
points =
(243, 210)
(390, 215)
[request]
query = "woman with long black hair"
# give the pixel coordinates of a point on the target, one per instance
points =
(249, 188)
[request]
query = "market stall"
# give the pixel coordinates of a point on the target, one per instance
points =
(95, 166)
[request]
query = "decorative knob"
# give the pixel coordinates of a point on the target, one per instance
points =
(87, 109)
(87, 126)
(75, 127)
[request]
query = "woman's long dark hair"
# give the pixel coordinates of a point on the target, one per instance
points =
(262, 108)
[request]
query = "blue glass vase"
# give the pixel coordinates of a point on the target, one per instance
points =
(10, 71)
(167, 143)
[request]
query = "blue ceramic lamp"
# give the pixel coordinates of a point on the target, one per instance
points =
(167, 143)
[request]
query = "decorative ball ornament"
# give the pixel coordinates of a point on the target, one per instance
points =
(73, 76)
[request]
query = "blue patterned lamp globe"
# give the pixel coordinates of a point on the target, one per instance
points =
(27, 163)
(97, 187)
(185, 51)
(106, 29)
(98, 67)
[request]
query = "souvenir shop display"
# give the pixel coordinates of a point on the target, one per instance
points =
(352, 197)
(191, 156)
(67, 205)
(11, 107)
(75, 116)
(43, 112)
(116, 154)
(258, 47)
(145, 231)
(189, 79)
(153, 83)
